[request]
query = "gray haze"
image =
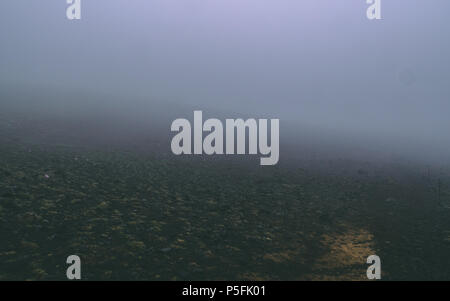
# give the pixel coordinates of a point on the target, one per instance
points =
(320, 66)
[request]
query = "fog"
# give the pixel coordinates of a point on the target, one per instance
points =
(320, 66)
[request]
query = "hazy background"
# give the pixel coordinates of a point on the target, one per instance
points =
(333, 77)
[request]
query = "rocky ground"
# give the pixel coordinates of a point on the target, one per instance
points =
(136, 216)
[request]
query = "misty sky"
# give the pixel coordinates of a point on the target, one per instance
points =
(315, 62)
